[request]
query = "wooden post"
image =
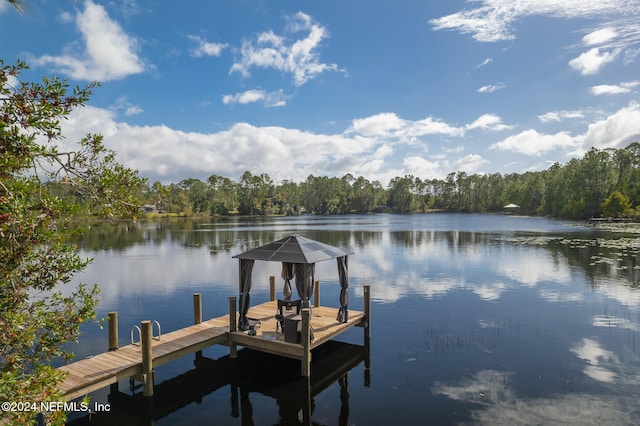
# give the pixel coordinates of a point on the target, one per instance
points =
(197, 317)
(272, 288)
(367, 310)
(113, 330)
(147, 357)
(197, 308)
(113, 342)
(316, 294)
(233, 326)
(305, 366)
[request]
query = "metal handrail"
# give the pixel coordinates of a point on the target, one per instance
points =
(133, 342)
(159, 332)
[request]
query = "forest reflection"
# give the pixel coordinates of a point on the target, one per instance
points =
(616, 257)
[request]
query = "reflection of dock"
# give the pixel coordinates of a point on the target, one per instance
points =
(244, 375)
(138, 360)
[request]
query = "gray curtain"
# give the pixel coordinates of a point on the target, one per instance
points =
(343, 274)
(287, 275)
(246, 267)
(304, 281)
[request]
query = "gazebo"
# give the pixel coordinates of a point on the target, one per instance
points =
(511, 208)
(298, 256)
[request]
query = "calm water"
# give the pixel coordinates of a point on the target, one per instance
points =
(477, 319)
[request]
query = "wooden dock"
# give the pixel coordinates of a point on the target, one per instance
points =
(101, 370)
(138, 360)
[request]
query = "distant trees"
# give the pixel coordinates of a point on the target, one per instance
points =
(580, 189)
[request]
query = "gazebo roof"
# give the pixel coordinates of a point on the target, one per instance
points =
(294, 249)
(511, 206)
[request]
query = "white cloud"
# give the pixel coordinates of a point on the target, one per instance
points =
(600, 36)
(300, 58)
(270, 99)
(133, 110)
(485, 62)
(65, 17)
(592, 61)
(488, 122)
(122, 104)
(607, 89)
(418, 166)
(169, 155)
(439, 166)
(388, 124)
(247, 97)
(469, 163)
(431, 126)
(491, 88)
(615, 131)
(492, 20)
(560, 115)
(380, 124)
(530, 142)
(205, 48)
(108, 53)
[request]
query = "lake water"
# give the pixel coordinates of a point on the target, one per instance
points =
(476, 319)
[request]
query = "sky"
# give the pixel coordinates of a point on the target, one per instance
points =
(374, 88)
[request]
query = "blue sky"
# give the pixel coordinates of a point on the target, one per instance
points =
(373, 88)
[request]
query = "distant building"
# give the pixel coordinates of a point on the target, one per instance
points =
(511, 208)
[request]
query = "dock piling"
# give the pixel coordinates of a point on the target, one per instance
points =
(147, 357)
(367, 311)
(316, 294)
(197, 308)
(306, 343)
(197, 317)
(113, 330)
(233, 349)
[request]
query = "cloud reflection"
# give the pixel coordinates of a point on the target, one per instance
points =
(499, 404)
(605, 366)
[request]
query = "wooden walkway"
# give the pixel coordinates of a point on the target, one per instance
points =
(101, 370)
(107, 368)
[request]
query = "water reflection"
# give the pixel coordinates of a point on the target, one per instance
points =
(499, 404)
(477, 318)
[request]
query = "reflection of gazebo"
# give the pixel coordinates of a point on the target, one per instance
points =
(298, 256)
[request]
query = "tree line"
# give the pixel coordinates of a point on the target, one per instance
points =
(603, 183)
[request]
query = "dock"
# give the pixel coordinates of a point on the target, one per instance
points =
(98, 371)
(136, 361)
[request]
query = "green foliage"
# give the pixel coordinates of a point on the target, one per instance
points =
(616, 205)
(38, 314)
